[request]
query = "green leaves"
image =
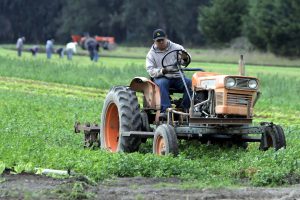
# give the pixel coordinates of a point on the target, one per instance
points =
(222, 20)
(38, 112)
(24, 167)
(2, 167)
(273, 25)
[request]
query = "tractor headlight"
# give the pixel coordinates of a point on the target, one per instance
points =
(230, 82)
(252, 84)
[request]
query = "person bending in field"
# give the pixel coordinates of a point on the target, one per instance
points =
(34, 50)
(60, 52)
(70, 49)
(165, 77)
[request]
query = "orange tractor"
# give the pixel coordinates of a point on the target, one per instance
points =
(107, 43)
(221, 112)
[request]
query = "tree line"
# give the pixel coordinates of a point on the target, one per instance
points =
(269, 25)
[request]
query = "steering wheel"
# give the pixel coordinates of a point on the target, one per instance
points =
(176, 58)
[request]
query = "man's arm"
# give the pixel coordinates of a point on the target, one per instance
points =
(151, 67)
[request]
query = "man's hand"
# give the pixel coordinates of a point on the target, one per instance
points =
(184, 54)
(185, 58)
(170, 69)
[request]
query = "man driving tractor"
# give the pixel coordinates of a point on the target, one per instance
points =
(166, 77)
(220, 108)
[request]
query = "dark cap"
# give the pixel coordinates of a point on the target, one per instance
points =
(159, 34)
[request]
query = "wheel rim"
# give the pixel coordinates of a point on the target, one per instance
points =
(112, 128)
(160, 147)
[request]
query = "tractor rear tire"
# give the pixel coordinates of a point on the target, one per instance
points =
(165, 140)
(274, 137)
(120, 113)
(87, 41)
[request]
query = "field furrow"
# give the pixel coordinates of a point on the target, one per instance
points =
(40, 101)
(55, 89)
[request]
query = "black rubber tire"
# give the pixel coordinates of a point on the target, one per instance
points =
(145, 122)
(87, 41)
(281, 136)
(129, 118)
(274, 137)
(111, 47)
(166, 132)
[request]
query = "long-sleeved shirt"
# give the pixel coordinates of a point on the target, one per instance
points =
(49, 45)
(154, 60)
(19, 44)
(71, 46)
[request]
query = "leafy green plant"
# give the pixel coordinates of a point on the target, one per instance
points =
(38, 114)
(24, 167)
(2, 167)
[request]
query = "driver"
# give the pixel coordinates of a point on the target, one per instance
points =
(167, 77)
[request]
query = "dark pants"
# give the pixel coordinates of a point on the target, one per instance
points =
(19, 52)
(91, 54)
(49, 53)
(60, 52)
(164, 84)
(69, 54)
(96, 56)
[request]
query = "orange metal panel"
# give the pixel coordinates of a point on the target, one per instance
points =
(149, 89)
(233, 110)
(76, 38)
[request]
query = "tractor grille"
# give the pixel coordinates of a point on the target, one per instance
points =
(242, 83)
(219, 96)
(238, 99)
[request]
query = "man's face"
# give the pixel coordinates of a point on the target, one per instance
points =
(161, 44)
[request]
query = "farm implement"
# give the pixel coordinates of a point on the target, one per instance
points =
(221, 112)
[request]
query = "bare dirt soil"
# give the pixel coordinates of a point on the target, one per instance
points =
(30, 186)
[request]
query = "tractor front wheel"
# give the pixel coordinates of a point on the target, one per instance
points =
(274, 137)
(120, 113)
(165, 141)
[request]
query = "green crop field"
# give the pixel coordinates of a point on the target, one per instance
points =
(41, 99)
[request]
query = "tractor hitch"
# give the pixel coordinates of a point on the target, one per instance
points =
(91, 134)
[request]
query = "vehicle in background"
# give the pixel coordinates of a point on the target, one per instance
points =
(107, 43)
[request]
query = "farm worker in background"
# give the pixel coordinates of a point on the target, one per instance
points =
(49, 48)
(34, 50)
(96, 52)
(92, 48)
(60, 52)
(70, 49)
(19, 45)
(165, 77)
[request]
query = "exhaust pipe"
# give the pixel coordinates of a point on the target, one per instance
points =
(241, 66)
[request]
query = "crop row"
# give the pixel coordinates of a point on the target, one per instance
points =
(37, 132)
(40, 100)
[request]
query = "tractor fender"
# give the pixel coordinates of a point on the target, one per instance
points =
(150, 92)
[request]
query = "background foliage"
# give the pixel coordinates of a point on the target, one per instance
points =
(222, 20)
(271, 25)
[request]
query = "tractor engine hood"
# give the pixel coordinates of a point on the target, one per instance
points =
(211, 81)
